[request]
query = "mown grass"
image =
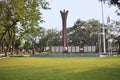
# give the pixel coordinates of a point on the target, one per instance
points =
(60, 68)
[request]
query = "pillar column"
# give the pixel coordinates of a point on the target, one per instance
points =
(64, 33)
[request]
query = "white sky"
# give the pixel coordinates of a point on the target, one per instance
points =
(78, 9)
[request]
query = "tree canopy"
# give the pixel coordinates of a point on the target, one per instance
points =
(115, 3)
(85, 32)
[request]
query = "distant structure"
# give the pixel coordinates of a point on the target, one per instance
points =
(64, 34)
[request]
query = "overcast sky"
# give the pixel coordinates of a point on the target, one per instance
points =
(78, 9)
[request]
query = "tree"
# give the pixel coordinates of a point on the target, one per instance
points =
(32, 35)
(45, 38)
(115, 3)
(51, 37)
(85, 32)
(114, 34)
(26, 12)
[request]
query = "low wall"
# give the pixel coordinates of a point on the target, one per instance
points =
(74, 49)
(67, 55)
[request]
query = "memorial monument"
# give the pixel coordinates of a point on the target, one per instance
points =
(64, 14)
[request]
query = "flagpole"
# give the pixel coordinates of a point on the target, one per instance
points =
(104, 46)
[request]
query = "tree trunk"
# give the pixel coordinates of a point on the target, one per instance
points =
(33, 48)
(119, 48)
(9, 42)
(13, 43)
(6, 30)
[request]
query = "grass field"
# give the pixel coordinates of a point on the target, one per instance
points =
(107, 68)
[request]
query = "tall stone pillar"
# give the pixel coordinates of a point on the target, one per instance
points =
(64, 34)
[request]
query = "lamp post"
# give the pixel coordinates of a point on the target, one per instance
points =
(109, 36)
(104, 49)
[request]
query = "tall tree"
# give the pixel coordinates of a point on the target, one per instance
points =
(26, 12)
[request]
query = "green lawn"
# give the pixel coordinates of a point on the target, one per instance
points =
(107, 68)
